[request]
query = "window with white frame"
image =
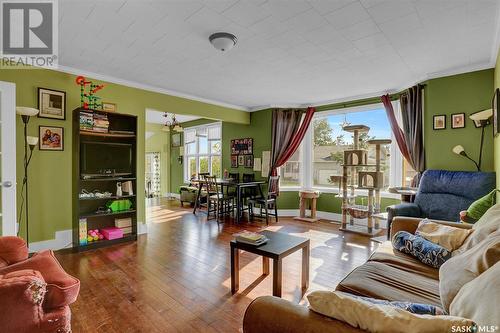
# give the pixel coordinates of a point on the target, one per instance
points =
(321, 153)
(203, 150)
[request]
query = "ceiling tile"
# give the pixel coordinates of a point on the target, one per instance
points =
(348, 15)
(246, 13)
(390, 10)
(360, 30)
(327, 6)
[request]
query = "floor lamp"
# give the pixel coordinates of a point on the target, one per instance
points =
(29, 142)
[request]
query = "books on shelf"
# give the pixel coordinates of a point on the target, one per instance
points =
(95, 122)
(249, 237)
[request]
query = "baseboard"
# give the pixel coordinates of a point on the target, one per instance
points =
(63, 239)
(333, 217)
(142, 228)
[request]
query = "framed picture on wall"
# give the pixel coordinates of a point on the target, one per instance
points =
(108, 107)
(176, 140)
(51, 138)
(458, 120)
(52, 104)
(439, 122)
(496, 109)
(241, 160)
(234, 161)
(249, 161)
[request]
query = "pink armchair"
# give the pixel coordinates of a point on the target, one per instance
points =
(35, 293)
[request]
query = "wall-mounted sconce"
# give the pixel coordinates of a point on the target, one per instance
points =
(181, 155)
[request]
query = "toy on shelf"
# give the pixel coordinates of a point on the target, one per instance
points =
(94, 235)
(88, 99)
(359, 174)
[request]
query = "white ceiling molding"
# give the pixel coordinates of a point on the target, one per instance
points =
(138, 85)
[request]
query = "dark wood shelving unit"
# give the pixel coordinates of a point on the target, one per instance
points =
(86, 208)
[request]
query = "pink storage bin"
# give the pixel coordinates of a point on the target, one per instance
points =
(112, 233)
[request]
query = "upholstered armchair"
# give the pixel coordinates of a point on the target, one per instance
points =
(35, 293)
(443, 194)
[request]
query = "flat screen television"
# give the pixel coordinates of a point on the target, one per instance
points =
(104, 158)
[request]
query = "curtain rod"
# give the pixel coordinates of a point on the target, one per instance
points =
(361, 102)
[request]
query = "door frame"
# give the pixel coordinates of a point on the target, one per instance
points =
(8, 149)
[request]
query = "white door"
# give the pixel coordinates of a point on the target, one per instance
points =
(8, 158)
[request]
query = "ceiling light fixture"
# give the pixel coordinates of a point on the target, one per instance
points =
(172, 124)
(223, 41)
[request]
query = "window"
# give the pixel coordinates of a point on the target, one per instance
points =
(319, 161)
(202, 149)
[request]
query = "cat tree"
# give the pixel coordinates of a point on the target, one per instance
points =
(359, 174)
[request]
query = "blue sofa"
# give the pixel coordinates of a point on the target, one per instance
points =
(443, 194)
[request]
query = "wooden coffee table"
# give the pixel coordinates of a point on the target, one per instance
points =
(278, 247)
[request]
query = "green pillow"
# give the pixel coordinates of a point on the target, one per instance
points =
(481, 205)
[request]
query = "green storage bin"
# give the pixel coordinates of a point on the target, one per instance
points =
(119, 205)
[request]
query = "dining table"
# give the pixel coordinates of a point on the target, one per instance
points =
(227, 183)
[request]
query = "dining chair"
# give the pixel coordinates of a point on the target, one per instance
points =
(235, 176)
(224, 203)
(267, 202)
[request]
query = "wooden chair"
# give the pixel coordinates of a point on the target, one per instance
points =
(224, 203)
(236, 178)
(269, 202)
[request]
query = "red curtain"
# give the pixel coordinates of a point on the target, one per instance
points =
(286, 137)
(398, 133)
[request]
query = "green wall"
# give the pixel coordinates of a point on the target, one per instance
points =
(159, 142)
(497, 139)
(50, 172)
(465, 93)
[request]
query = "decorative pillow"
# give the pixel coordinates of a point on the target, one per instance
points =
(379, 317)
(451, 238)
(467, 266)
(480, 206)
(487, 225)
(479, 299)
(427, 252)
(417, 308)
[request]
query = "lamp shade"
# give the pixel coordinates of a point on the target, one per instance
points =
(32, 140)
(26, 111)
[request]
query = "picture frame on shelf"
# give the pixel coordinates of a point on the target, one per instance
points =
(108, 107)
(234, 161)
(51, 103)
(51, 138)
(458, 120)
(241, 160)
(496, 109)
(249, 161)
(439, 122)
(176, 140)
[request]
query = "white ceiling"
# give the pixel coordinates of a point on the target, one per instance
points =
(157, 117)
(288, 53)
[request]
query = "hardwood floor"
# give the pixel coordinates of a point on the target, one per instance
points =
(177, 277)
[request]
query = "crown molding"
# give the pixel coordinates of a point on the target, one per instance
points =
(134, 84)
(434, 75)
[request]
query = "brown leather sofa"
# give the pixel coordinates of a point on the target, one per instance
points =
(388, 274)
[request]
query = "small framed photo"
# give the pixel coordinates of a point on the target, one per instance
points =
(108, 107)
(51, 138)
(439, 122)
(234, 161)
(249, 161)
(496, 109)
(241, 160)
(52, 104)
(176, 140)
(458, 120)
